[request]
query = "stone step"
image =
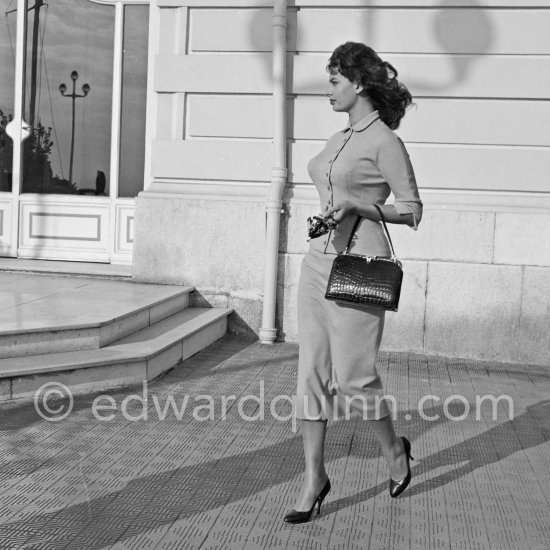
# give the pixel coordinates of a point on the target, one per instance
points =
(57, 314)
(141, 356)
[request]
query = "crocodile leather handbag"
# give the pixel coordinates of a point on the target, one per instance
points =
(368, 280)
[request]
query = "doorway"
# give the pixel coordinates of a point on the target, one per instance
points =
(72, 127)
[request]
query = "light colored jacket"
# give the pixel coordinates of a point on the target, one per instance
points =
(364, 163)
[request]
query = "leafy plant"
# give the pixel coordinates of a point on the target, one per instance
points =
(37, 172)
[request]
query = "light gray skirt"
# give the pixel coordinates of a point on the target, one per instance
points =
(337, 374)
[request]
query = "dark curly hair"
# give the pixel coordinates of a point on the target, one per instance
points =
(361, 64)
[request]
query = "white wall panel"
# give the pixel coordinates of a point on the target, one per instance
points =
(469, 111)
(520, 169)
(124, 230)
(216, 160)
(426, 75)
(170, 116)
(167, 38)
(358, 3)
(54, 227)
(430, 120)
(458, 167)
(165, 116)
(473, 121)
(5, 216)
(215, 3)
(444, 31)
(446, 76)
(249, 116)
(435, 120)
(251, 30)
(7, 244)
(209, 73)
(173, 38)
(64, 226)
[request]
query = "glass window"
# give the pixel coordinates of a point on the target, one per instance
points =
(7, 62)
(134, 98)
(68, 97)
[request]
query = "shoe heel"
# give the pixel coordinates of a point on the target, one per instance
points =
(322, 496)
(407, 445)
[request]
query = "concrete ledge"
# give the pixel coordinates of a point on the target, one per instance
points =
(404, 329)
(470, 287)
(200, 243)
(473, 311)
(465, 237)
(534, 328)
(522, 239)
(450, 309)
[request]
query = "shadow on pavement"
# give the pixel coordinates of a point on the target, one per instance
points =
(150, 502)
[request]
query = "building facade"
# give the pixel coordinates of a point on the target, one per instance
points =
(477, 273)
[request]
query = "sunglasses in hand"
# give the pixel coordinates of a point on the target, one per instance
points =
(318, 225)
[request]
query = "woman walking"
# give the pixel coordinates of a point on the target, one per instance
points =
(357, 169)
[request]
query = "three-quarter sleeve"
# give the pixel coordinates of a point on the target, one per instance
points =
(396, 168)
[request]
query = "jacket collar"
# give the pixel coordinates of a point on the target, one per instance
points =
(364, 123)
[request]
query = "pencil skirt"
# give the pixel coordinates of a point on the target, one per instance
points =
(338, 345)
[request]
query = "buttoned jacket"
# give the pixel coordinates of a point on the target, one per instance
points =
(364, 163)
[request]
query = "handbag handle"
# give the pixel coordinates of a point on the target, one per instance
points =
(356, 226)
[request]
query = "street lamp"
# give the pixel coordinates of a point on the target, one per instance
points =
(63, 88)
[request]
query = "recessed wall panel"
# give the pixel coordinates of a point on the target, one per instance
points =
(56, 228)
(437, 75)
(64, 226)
(231, 116)
(458, 167)
(426, 75)
(441, 31)
(208, 73)
(437, 120)
(7, 244)
(251, 30)
(212, 160)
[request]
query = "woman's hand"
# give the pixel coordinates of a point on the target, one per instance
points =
(339, 212)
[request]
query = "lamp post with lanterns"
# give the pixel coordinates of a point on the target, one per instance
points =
(85, 89)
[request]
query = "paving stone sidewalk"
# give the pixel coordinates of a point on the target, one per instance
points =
(214, 475)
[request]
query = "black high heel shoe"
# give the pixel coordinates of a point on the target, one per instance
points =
(295, 516)
(397, 487)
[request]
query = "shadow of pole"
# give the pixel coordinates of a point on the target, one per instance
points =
(464, 35)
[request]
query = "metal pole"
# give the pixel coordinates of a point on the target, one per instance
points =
(34, 61)
(72, 130)
(19, 102)
(268, 331)
(85, 89)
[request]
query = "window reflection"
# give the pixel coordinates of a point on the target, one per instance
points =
(7, 62)
(134, 97)
(69, 45)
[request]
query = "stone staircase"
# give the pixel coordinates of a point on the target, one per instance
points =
(95, 334)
